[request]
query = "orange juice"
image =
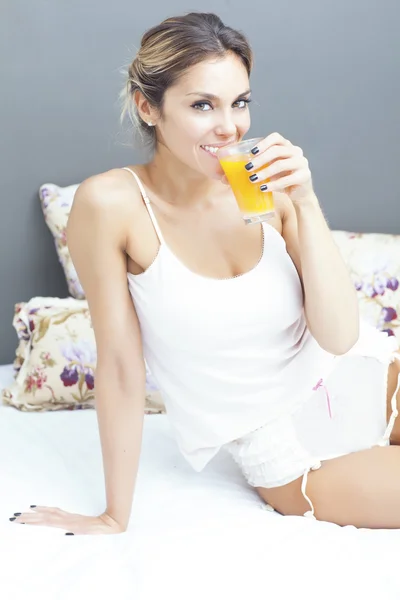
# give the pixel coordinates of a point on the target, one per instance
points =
(251, 200)
(254, 204)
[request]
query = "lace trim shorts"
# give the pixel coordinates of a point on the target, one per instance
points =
(345, 414)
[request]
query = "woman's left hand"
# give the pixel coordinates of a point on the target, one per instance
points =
(74, 524)
(286, 168)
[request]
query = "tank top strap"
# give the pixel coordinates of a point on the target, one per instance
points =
(148, 205)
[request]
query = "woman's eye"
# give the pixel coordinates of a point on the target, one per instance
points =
(199, 105)
(243, 103)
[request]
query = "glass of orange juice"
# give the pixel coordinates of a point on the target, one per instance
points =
(255, 205)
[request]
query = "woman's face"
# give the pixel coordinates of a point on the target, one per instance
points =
(205, 109)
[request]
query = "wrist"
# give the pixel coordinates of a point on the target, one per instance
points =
(112, 519)
(308, 204)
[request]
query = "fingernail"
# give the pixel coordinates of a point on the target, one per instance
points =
(17, 514)
(249, 166)
(69, 533)
(253, 177)
(32, 506)
(255, 150)
(12, 518)
(263, 187)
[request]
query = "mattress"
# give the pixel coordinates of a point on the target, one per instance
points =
(191, 535)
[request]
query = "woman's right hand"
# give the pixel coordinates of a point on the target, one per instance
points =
(74, 524)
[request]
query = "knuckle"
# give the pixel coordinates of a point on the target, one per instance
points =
(273, 169)
(272, 153)
(276, 137)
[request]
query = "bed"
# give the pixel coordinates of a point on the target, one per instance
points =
(191, 535)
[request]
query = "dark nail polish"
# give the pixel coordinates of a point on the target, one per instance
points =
(249, 166)
(17, 514)
(69, 533)
(12, 518)
(255, 150)
(33, 506)
(253, 177)
(263, 187)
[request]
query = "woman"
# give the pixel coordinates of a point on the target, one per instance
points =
(252, 332)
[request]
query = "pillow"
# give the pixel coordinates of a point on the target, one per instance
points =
(56, 358)
(56, 205)
(374, 263)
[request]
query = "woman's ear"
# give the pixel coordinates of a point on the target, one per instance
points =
(145, 110)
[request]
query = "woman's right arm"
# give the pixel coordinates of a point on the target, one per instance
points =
(96, 236)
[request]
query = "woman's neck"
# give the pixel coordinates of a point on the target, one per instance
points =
(178, 184)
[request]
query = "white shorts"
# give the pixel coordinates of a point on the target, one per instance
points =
(345, 414)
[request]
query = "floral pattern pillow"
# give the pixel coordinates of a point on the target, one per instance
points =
(56, 358)
(56, 204)
(374, 263)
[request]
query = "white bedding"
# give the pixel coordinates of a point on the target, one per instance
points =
(192, 536)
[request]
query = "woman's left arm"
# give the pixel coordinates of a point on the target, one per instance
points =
(330, 299)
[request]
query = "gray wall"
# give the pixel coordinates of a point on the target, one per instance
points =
(326, 77)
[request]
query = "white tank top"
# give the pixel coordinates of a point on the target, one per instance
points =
(228, 355)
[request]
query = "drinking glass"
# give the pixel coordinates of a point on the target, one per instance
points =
(255, 205)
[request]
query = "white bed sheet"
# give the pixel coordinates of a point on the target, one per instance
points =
(198, 536)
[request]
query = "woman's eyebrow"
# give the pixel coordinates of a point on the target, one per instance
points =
(213, 96)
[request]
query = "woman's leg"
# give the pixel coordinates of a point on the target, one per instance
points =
(360, 489)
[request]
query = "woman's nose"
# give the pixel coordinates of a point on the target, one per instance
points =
(226, 126)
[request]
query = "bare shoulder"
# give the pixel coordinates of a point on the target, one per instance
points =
(108, 191)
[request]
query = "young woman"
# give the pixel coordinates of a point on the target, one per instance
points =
(251, 331)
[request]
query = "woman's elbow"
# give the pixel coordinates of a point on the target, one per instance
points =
(342, 343)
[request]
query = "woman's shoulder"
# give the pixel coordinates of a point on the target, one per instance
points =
(108, 187)
(110, 190)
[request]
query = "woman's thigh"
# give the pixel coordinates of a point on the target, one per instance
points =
(360, 489)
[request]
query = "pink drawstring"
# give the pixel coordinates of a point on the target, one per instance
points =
(321, 384)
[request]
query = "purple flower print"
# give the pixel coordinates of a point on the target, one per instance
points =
(358, 285)
(82, 358)
(69, 376)
(44, 192)
(392, 284)
(81, 352)
(388, 314)
(89, 380)
(380, 283)
(369, 290)
(390, 332)
(45, 196)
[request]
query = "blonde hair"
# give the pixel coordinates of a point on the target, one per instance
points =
(166, 52)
